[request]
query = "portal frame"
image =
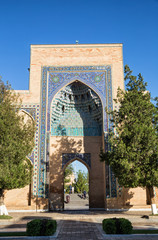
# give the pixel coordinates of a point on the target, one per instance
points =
(98, 78)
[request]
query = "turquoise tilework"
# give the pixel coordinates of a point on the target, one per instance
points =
(77, 111)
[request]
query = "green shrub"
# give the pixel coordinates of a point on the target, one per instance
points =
(33, 227)
(109, 226)
(117, 226)
(125, 226)
(41, 227)
(51, 227)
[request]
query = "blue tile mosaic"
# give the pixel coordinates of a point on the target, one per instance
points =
(33, 110)
(76, 111)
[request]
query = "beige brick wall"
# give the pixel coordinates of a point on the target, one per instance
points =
(73, 55)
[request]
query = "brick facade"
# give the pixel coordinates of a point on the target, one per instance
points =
(70, 86)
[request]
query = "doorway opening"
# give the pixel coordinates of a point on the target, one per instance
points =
(76, 186)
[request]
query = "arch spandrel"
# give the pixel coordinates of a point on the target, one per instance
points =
(59, 88)
(84, 158)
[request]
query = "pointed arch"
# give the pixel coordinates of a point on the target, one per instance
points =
(27, 113)
(76, 159)
(89, 85)
(102, 102)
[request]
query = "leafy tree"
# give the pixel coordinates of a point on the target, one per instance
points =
(16, 142)
(67, 174)
(82, 182)
(133, 151)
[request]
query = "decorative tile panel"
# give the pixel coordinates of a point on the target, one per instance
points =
(76, 111)
(85, 157)
(33, 110)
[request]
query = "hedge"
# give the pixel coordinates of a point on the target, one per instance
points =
(117, 226)
(41, 227)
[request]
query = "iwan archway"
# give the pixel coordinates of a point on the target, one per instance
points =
(76, 132)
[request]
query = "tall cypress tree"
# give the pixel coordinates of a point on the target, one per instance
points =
(133, 153)
(16, 142)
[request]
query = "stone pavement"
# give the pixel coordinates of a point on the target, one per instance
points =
(81, 225)
(76, 230)
(76, 202)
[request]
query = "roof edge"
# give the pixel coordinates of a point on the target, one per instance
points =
(76, 45)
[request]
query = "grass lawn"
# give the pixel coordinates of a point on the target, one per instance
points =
(5, 217)
(8, 234)
(144, 231)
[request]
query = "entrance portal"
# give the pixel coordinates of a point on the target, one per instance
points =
(76, 126)
(69, 88)
(76, 187)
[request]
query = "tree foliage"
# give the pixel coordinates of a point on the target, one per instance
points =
(82, 182)
(133, 151)
(16, 141)
(67, 174)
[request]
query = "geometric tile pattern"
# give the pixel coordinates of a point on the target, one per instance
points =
(98, 78)
(85, 157)
(34, 111)
(76, 124)
(76, 111)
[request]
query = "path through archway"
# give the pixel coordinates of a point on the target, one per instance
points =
(76, 186)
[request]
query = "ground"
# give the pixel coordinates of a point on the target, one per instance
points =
(76, 202)
(75, 225)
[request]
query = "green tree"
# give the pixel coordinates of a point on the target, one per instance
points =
(82, 182)
(67, 174)
(133, 151)
(16, 142)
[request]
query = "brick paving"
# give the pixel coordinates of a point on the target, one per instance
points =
(77, 230)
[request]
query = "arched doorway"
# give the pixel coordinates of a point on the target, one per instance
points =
(76, 186)
(76, 132)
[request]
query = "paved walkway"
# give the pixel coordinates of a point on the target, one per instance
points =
(76, 202)
(77, 230)
(81, 225)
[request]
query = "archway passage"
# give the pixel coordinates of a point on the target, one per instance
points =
(76, 186)
(76, 132)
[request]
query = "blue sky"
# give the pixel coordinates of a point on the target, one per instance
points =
(131, 22)
(79, 166)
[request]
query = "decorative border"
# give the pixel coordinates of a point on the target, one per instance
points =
(34, 110)
(85, 157)
(55, 78)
